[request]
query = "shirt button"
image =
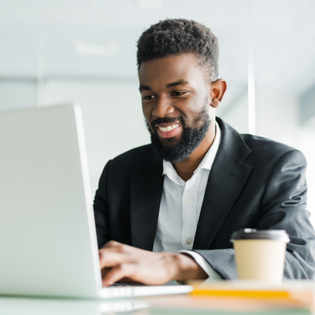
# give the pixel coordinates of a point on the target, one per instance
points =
(188, 241)
(189, 201)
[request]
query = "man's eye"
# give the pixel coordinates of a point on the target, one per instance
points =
(177, 93)
(148, 97)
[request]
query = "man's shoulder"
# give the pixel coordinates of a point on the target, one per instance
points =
(257, 146)
(264, 150)
(269, 149)
(137, 158)
(258, 143)
(134, 157)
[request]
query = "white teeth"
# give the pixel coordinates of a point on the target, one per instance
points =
(168, 128)
(163, 129)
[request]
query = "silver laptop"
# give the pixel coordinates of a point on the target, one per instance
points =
(47, 231)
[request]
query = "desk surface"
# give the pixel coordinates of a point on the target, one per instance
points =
(147, 306)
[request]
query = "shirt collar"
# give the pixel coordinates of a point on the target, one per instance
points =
(206, 162)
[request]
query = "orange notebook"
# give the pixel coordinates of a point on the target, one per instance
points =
(295, 290)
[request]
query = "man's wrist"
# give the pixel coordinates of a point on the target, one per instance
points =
(187, 268)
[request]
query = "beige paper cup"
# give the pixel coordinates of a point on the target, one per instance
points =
(260, 254)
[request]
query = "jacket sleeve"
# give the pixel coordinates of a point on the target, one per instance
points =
(101, 209)
(282, 207)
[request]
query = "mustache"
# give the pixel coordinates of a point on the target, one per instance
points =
(167, 120)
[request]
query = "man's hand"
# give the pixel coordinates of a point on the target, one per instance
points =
(122, 261)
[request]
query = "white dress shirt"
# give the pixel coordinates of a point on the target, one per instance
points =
(180, 208)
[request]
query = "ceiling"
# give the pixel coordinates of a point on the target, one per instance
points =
(95, 39)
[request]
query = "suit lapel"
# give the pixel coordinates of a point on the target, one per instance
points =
(227, 178)
(146, 184)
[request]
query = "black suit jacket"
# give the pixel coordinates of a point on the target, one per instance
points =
(254, 183)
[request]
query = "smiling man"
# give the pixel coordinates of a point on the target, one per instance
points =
(175, 101)
(166, 211)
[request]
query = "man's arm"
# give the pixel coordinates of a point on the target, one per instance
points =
(282, 207)
(119, 261)
(178, 266)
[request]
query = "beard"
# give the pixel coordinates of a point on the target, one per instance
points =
(178, 150)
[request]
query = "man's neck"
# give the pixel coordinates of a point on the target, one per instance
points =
(185, 168)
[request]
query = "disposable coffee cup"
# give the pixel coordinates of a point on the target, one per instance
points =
(260, 254)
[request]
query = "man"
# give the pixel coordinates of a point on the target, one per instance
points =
(183, 195)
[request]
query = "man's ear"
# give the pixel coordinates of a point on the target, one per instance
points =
(218, 89)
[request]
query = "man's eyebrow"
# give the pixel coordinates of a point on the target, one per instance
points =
(179, 82)
(144, 88)
(172, 84)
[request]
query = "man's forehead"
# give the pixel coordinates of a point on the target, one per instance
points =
(169, 70)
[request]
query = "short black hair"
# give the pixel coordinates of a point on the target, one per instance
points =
(178, 36)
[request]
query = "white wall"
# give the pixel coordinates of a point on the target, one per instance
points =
(277, 117)
(236, 114)
(112, 117)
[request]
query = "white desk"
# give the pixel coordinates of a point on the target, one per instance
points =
(145, 306)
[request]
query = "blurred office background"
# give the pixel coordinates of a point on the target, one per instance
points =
(84, 51)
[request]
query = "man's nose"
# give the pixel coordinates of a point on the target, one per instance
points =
(162, 107)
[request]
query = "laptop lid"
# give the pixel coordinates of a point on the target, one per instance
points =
(47, 230)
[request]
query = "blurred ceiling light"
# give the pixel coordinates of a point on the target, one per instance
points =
(94, 48)
(150, 4)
